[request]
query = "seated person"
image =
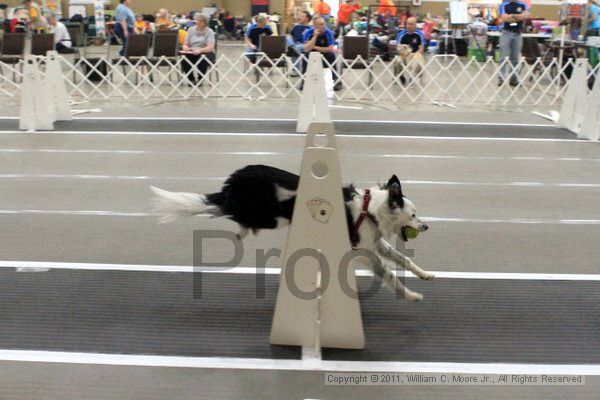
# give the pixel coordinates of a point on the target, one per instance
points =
(163, 20)
(140, 27)
(199, 49)
(319, 38)
(409, 41)
(295, 40)
(229, 25)
(412, 37)
(62, 39)
(254, 32)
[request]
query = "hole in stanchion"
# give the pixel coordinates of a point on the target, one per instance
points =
(30, 61)
(321, 139)
(319, 169)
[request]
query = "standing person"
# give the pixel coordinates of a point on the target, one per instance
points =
(594, 19)
(345, 12)
(513, 13)
(320, 38)
(199, 47)
(62, 39)
(125, 20)
(324, 11)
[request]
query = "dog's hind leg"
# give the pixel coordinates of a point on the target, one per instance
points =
(388, 251)
(392, 282)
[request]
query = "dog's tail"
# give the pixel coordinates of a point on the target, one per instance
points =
(172, 206)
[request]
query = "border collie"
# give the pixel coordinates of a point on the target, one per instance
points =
(262, 197)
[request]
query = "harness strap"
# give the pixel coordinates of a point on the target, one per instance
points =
(363, 214)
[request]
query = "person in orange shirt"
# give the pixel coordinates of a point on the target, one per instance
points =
(324, 11)
(345, 12)
(386, 7)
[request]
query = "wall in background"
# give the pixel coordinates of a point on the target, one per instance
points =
(242, 7)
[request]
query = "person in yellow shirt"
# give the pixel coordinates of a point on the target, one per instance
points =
(140, 26)
(35, 14)
(163, 20)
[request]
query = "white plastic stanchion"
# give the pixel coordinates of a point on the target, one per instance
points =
(313, 104)
(317, 304)
(575, 101)
(590, 128)
(34, 107)
(54, 87)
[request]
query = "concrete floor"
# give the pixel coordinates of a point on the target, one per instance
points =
(494, 201)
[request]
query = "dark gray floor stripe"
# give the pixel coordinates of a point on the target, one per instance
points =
(343, 128)
(155, 313)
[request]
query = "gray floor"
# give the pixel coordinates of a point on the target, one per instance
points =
(476, 193)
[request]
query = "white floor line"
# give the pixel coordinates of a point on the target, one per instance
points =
(44, 265)
(296, 365)
(295, 135)
(221, 179)
(357, 121)
(278, 153)
(108, 213)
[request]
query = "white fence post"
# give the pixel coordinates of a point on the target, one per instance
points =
(317, 305)
(590, 128)
(34, 107)
(54, 87)
(313, 104)
(575, 101)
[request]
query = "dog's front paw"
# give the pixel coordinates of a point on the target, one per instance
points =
(427, 276)
(413, 296)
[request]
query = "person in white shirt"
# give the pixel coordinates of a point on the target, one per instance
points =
(62, 39)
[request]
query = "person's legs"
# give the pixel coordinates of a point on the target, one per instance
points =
(332, 64)
(60, 47)
(515, 55)
(188, 65)
(206, 61)
(504, 53)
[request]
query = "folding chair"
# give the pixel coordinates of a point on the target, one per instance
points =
(12, 50)
(355, 47)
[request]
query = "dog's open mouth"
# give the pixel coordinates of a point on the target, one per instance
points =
(403, 234)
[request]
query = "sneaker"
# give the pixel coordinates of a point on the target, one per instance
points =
(403, 79)
(301, 86)
(337, 87)
(513, 82)
(500, 82)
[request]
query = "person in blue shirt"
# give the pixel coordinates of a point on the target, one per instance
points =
(295, 39)
(254, 32)
(513, 14)
(594, 19)
(125, 19)
(320, 38)
(412, 37)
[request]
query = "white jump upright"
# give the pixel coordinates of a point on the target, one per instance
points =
(575, 101)
(43, 101)
(35, 112)
(313, 104)
(54, 87)
(317, 304)
(590, 128)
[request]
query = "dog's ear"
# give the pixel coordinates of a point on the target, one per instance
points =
(395, 196)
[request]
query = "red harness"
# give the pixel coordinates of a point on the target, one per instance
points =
(364, 214)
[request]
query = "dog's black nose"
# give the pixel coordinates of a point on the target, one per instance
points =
(425, 227)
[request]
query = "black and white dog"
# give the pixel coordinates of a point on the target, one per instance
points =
(262, 197)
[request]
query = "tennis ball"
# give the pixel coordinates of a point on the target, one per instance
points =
(410, 232)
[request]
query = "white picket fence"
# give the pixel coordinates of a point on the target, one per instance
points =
(446, 79)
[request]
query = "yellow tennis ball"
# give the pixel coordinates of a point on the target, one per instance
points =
(410, 232)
